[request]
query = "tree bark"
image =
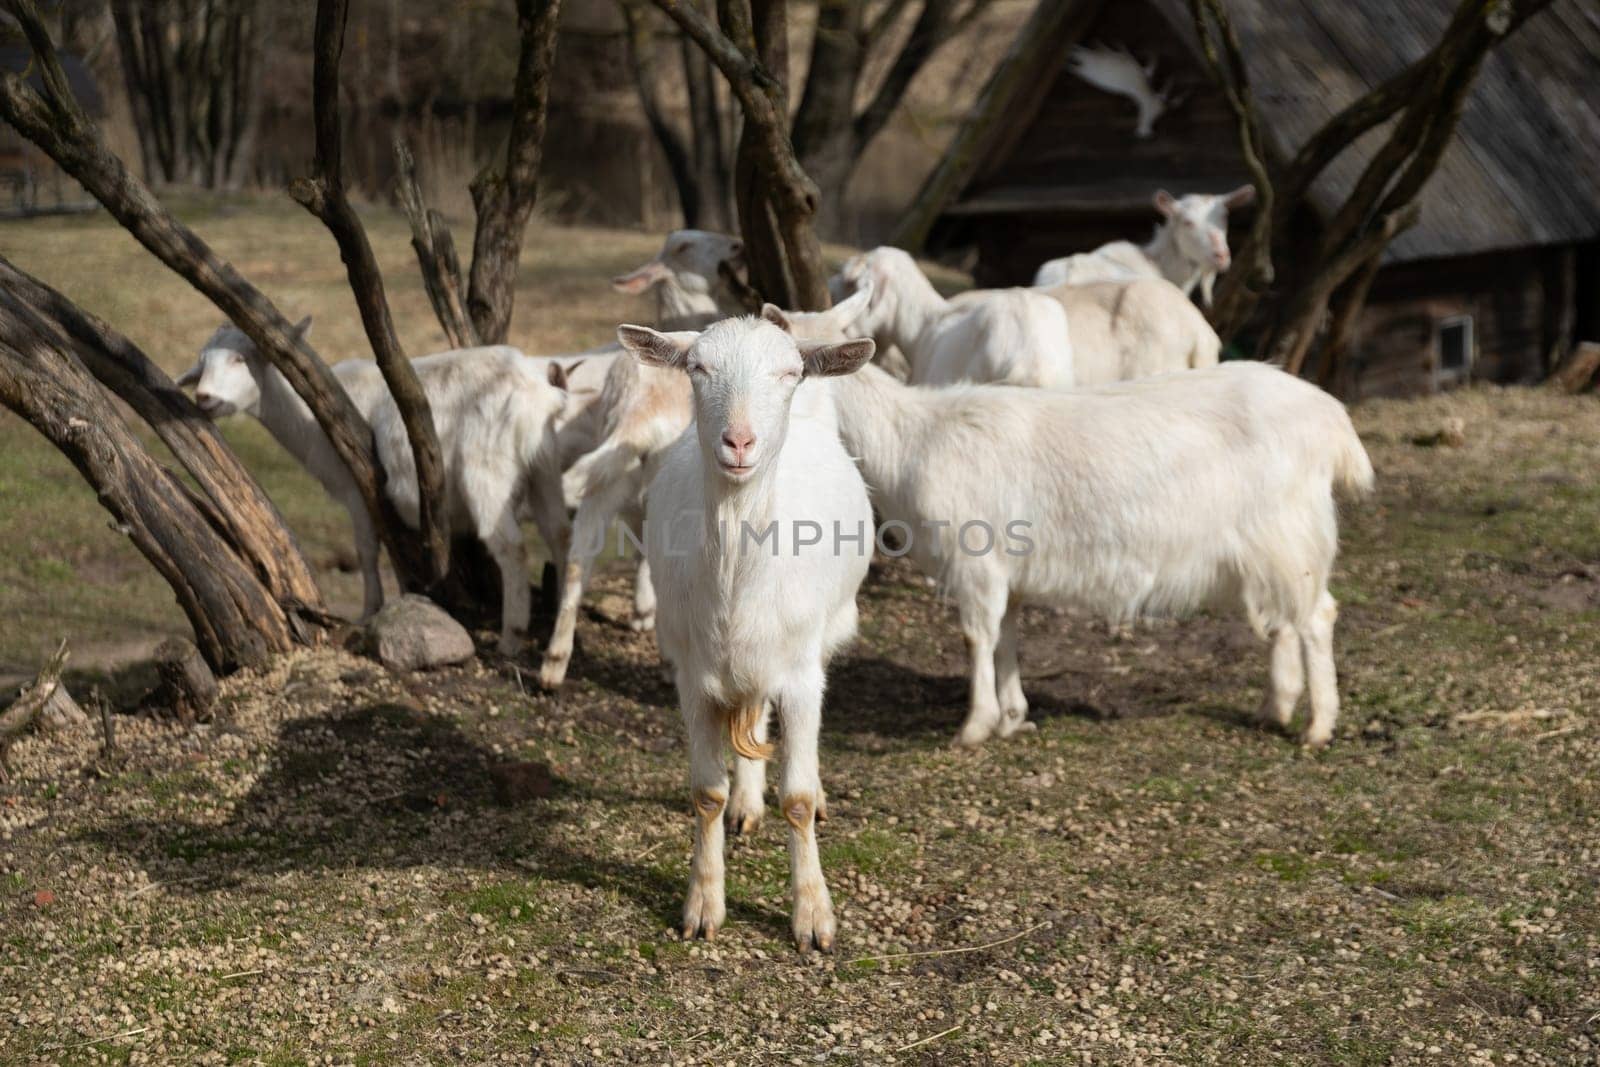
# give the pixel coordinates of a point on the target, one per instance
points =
(436, 253)
(236, 619)
(247, 518)
(708, 138)
(60, 128)
(324, 196)
(504, 196)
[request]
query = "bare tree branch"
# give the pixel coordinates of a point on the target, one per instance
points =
(323, 195)
(436, 252)
(642, 59)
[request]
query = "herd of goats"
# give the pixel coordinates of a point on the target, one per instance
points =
(1075, 443)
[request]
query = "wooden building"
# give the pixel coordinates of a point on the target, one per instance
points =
(1494, 283)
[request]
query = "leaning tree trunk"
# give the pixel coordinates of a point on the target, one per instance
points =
(237, 504)
(237, 621)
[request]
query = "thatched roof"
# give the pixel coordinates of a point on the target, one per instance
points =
(1522, 170)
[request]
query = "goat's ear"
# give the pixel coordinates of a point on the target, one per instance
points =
(774, 314)
(557, 374)
(641, 279)
(652, 348)
(302, 329)
(1240, 197)
(830, 360)
(1164, 202)
(190, 376)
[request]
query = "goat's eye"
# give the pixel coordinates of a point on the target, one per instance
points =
(679, 250)
(235, 357)
(697, 368)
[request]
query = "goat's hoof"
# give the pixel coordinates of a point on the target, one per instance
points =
(1317, 738)
(551, 674)
(814, 925)
(744, 823)
(509, 646)
(972, 736)
(1013, 727)
(642, 624)
(1272, 717)
(702, 915)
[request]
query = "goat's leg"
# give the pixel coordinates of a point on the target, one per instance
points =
(589, 526)
(705, 908)
(504, 541)
(1008, 676)
(747, 804)
(982, 610)
(549, 513)
(1317, 639)
(644, 590)
(366, 536)
(1287, 678)
(799, 796)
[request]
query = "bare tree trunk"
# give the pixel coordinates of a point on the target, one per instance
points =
(324, 196)
(504, 196)
(642, 59)
(236, 619)
(1011, 82)
(708, 138)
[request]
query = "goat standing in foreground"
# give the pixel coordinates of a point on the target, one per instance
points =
(1151, 497)
(747, 627)
(1190, 248)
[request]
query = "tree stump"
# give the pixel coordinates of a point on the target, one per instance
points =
(44, 705)
(187, 685)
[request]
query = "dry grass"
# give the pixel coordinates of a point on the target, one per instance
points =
(331, 875)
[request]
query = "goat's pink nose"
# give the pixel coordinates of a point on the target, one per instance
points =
(739, 439)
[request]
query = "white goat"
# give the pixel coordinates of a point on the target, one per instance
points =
(1153, 497)
(231, 376)
(1115, 70)
(1190, 248)
(749, 517)
(1118, 331)
(498, 417)
(1015, 336)
(1124, 330)
(641, 410)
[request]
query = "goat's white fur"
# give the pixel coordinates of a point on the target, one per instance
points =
(1152, 497)
(1189, 248)
(1015, 336)
(745, 629)
(498, 418)
(1115, 70)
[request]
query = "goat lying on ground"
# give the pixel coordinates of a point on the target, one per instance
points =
(1189, 248)
(1153, 497)
(746, 628)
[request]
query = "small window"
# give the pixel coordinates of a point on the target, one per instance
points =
(1456, 350)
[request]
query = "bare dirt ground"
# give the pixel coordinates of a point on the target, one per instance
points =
(349, 867)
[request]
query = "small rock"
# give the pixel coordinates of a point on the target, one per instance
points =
(414, 634)
(517, 782)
